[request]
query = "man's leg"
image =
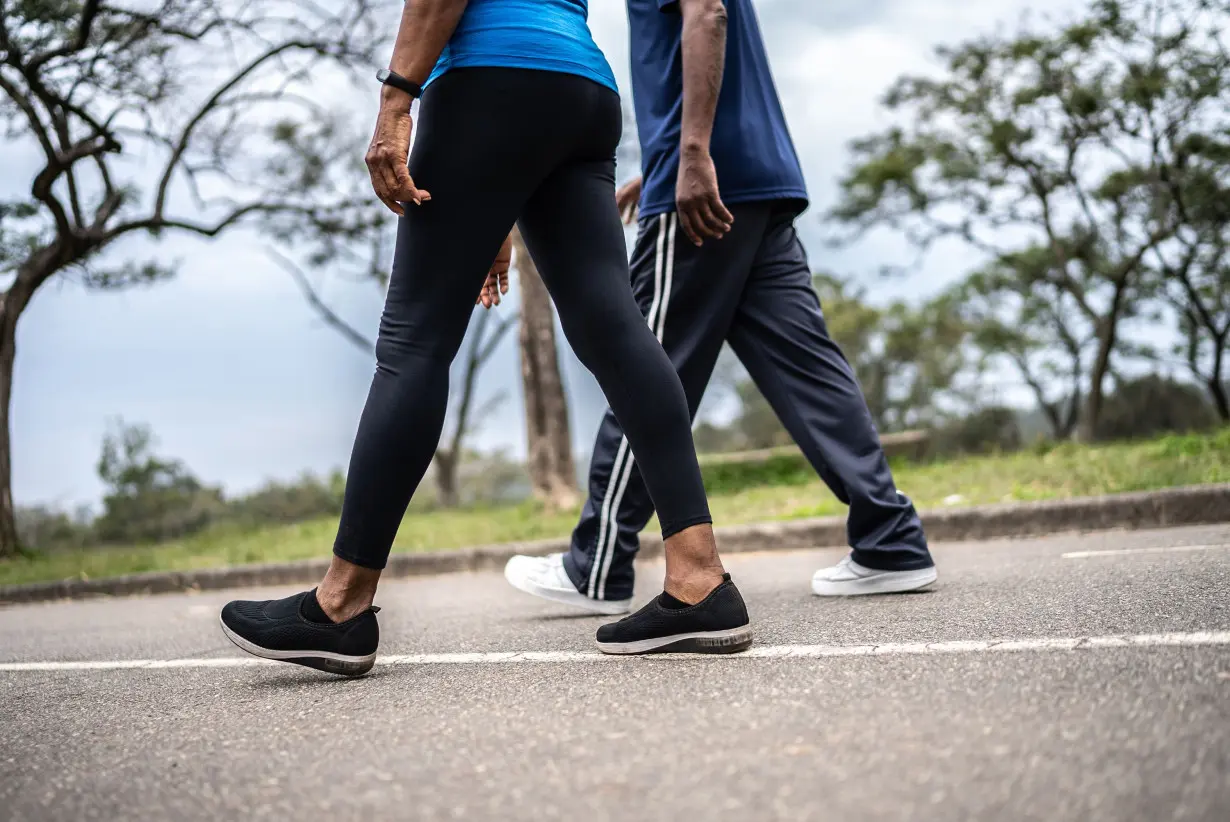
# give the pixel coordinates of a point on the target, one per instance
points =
(688, 296)
(780, 336)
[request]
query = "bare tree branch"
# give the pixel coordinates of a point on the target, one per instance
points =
(331, 317)
(209, 105)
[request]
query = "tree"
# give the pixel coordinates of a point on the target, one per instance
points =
(1200, 291)
(908, 358)
(149, 498)
(1037, 328)
(1192, 270)
(1056, 154)
(553, 477)
(134, 109)
(485, 335)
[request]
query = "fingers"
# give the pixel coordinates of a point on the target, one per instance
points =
(486, 298)
(381, 185)
(495, 286)
(627, 198)
(392, 182)
(384, 181)
(704, 218)
(708, 215)
(685, 222)
(406, 190)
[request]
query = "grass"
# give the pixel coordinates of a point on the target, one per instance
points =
(1052, 472)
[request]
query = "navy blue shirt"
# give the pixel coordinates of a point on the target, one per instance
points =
(751, 146)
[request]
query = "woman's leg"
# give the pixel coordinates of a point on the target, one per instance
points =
(572, 228)
(441, 259)
(479, 176)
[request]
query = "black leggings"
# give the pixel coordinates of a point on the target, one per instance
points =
(497, 146)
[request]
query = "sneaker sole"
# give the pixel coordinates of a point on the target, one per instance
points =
(334, 663)
(729, 641)
(576, 599)
(889, 582)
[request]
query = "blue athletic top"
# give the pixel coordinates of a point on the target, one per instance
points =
(751, 146)
(551, 35)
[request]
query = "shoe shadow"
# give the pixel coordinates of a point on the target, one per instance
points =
(564, 617)
(292, 678)
(878, 597)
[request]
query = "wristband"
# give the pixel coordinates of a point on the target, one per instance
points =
(392, 78)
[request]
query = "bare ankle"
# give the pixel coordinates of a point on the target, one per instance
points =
(694, 587)
(347, 590)
(693, 567)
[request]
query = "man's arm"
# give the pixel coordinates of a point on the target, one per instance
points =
(426, 26)
(700, 208)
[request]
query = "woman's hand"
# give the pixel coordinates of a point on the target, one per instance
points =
(497, 277)
(388, 152)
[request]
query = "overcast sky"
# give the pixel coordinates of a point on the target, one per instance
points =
(240, 380)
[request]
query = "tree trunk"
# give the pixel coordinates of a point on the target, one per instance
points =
(548, 435)
(1093, 405)
(1217, 388)
(9, 545)
(1101, 367)
(446, 479)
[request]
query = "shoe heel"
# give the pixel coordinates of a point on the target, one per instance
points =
(723, 644)
(351, 668)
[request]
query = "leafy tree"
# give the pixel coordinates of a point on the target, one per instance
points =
(149, 498)
(1192, 271)
(1072, 158)
(155, 119)
(1037, 328)
(909, 358)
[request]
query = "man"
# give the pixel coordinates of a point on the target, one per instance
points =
(704, 273)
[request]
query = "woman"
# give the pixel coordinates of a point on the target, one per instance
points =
(520, 121)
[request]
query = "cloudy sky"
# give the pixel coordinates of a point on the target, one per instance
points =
(240, 380)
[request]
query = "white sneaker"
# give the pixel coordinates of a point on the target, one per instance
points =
(847, 579)
(545, 577)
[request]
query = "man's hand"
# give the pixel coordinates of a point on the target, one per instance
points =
(700, 208)
(497, 277)
(627, 198)
(389, 149)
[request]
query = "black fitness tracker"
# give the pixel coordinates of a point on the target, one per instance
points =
(392, 78)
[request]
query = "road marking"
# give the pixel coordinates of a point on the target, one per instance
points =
(1119, 552)
(1197, 638)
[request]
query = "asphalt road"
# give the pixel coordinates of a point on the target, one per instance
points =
(889, 708)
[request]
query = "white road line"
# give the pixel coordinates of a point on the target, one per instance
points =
(1197, 638)
(1119, 552)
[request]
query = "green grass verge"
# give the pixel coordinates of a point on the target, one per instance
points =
(789, 491)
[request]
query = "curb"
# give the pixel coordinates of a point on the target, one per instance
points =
(1191, 505)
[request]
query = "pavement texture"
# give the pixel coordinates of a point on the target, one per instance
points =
(1112, 733)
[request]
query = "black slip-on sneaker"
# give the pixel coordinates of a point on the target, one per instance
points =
(718, 624)
(276, 629)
